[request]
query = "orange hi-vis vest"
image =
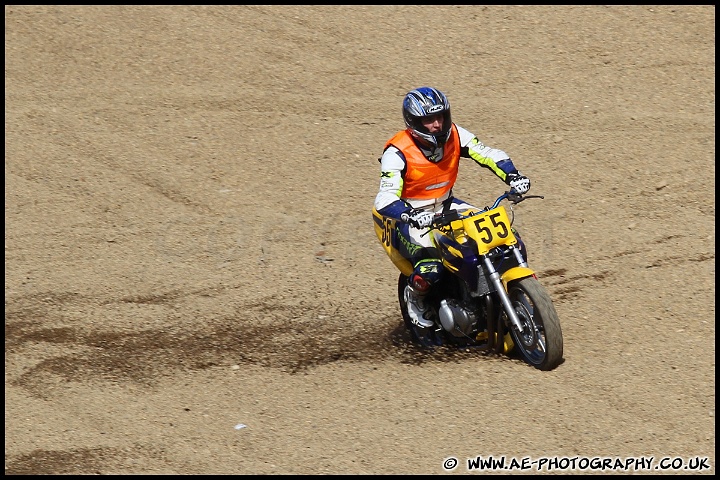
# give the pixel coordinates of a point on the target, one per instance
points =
(425, 180)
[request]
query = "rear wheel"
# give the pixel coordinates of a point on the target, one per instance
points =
(541, 343)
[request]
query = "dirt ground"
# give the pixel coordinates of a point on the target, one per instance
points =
(192, 280)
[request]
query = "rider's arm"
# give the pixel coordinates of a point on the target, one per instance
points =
(496, 160)
(392, 170)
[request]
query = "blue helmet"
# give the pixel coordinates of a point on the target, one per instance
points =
(423, 102)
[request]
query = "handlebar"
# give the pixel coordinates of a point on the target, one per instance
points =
(446, 218)
(513, 197)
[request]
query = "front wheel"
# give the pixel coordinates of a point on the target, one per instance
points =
(541, 342)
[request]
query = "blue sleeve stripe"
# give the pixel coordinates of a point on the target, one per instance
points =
(394, 210)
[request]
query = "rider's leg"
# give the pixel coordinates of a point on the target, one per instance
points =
(425, 274)
(427, 268)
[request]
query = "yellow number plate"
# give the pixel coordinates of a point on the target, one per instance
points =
(490, 229)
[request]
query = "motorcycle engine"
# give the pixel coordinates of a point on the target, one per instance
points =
(456, 319)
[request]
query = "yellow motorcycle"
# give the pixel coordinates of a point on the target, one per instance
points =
(488, 297)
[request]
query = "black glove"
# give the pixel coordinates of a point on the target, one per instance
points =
(519, 183)
(418, 218)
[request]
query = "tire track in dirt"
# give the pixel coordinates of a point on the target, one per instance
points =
(284, 342)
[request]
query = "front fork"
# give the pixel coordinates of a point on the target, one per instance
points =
(500, 288)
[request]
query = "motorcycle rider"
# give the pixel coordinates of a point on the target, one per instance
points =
(418, 169)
